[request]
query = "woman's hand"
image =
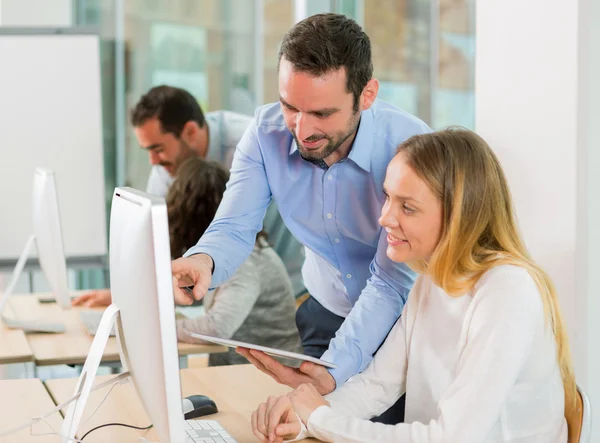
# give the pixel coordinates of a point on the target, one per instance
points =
(277, 419)
(305, 400)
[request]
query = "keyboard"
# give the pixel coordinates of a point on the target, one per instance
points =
(206, 431)
(91, 321)
(40, 325)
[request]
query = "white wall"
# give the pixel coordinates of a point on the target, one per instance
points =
(588, 269)
(33, 13)
(526, 98)
(535, 101)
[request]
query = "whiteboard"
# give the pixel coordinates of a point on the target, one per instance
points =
(50, 117)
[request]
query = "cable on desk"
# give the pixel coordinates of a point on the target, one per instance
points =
(115, 424)
(59, 407)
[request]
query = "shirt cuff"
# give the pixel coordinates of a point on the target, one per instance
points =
(318, 420)
(303, 431)
(195, 250)
(346, 366)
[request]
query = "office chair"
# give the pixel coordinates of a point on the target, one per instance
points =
(580, 421)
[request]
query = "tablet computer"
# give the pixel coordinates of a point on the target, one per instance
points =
(265, 349)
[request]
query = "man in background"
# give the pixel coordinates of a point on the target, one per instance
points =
(169, 124)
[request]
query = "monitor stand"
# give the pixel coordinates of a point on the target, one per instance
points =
(36, 325)
(90, 369)
(111, 317)
(17, 272)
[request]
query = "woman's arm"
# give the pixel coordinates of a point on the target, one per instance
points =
(383, 381)
(500, 336)
(366, 395)
(381, 384)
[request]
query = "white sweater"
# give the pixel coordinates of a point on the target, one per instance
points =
(481, 368)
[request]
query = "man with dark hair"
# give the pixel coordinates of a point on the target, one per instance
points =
(328, 42)
(169, 123)
(321, 153)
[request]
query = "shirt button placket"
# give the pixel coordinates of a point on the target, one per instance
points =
(329, 205)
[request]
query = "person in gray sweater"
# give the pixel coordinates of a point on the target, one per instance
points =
(256, 304)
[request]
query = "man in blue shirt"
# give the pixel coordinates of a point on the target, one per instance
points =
(321, 154)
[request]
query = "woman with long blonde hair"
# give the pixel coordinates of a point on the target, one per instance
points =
(481, 348)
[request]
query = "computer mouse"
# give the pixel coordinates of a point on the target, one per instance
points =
(198, 405)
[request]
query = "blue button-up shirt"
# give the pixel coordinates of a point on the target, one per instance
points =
(332, 211)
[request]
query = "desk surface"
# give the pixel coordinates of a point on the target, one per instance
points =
(13, 346)
(237, 391)
(72, 347)
(21, 401)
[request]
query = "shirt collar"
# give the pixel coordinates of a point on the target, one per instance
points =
(293, 145)
(362, 145)
(214, 136)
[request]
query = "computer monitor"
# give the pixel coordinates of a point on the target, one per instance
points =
(143, 313)
(47, 237)
(144, 310)
(141, 285)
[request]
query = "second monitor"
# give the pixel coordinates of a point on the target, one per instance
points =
(47, 237)
(143, 312)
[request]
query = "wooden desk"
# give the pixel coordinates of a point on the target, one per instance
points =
(72, 347)
(21, 401)
(13, 346)
(237, 391)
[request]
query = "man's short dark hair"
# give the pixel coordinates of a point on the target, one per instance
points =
(173, 107)
(327, 42)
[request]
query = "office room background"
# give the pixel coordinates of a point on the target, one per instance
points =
(520, 73)
(225, 53)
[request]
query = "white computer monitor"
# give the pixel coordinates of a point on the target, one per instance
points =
(143, 311)
(141, 285)
(47, 237)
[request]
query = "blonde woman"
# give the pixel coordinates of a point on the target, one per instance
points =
(481, 349)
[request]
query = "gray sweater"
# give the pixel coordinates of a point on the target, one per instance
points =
(255, 305)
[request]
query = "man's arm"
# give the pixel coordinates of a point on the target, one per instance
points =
(231, 236)
(372, 317)
(231, 307)
(364, 330)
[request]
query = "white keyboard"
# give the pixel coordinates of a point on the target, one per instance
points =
(206, 431)
(41, 325)
(91, 321)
